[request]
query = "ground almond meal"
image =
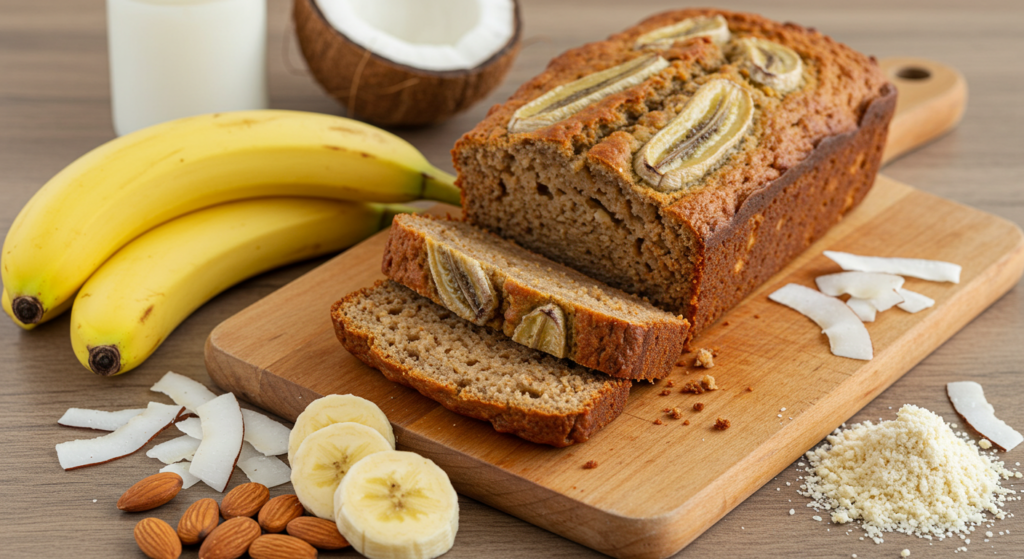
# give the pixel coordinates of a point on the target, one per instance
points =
(911, 475)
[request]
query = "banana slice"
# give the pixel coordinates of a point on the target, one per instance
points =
(771, 64)
(325, 457)
(395, 505)
(714, 27)
(338, 408)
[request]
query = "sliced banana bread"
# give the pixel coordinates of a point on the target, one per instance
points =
(541, 304)
(686, 159)
(473, 370)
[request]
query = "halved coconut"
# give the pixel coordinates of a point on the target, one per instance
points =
(222, 441)
(408, 62)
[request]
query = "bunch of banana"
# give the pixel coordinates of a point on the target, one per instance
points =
(153, 220)
(140, 295)
(127, 186)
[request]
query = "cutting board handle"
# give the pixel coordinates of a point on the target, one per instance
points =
(931, 100)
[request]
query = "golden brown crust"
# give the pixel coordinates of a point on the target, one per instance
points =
(620, 348)
(812, 156)
(545, 428)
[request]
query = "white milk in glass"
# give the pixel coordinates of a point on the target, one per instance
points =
(175, 58)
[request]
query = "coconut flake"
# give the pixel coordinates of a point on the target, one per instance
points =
(183, 390)
(913, 301)
(223, 429)
(181, 468)
(268, 470)
(847, 335)
(264, 434)
(97, 419)
(862, 285)
(932, 270)
(969, 401)
(123, 441)
(174, 450)
(863, 308)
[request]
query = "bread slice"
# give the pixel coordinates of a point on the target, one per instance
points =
(603, 328)
(473, 370)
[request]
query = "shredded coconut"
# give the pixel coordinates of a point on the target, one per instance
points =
(911, 475)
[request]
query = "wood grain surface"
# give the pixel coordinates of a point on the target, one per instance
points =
(281, 353)
(55, 106)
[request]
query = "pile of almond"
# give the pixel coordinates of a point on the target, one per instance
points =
(239, 533)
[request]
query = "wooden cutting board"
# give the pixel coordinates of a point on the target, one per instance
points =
(657, 487)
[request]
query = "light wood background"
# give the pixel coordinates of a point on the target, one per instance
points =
(54, 106)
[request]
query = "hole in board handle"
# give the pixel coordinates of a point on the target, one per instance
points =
(913, 73)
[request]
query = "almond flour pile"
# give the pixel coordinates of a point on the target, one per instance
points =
(911, 475)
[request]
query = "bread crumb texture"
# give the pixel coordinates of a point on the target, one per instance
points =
(912, 475)
(704, 359)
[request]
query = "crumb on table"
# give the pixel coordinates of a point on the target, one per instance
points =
(686, 422)
(590, 465)
(666, 392)
(750, 389)
(670, 383)
(699, 406)
(707, 382)
(692, 387)
(675, 413)
(658, 422)
(722, 424)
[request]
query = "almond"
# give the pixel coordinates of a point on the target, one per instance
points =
(231, 539)
(150, 492)
(279, 511)
(320, 533)
(277, 546)
(157, 539)
(245, 500)
(198, 521)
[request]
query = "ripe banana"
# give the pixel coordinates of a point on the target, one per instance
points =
(338, 408)
(141, 294)
(127, 186)
(325, 457)
(397, 505)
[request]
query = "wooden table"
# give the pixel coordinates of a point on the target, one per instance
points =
(54, 106)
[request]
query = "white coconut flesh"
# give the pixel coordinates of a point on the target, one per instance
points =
(174, 450)
(914, 301)
(863, 308)
(181, 468)
(123, 441)
(932, 270)
(97, 419)
(847, 336)
(215, 458)
(267, 470)
(969, 401)
(862, 285)
(432, 35)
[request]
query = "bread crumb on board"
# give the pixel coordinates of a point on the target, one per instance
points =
(699, 406)
(722, 424)
(704, 358)
(675, 413)
(590, 465)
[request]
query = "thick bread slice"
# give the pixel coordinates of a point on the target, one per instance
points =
(473, 370)
(605, 329)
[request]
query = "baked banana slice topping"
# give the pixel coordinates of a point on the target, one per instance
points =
(462, 284)
(566, 100)
(776, 66)
(711, 123)
(544, 329)
(714, 27)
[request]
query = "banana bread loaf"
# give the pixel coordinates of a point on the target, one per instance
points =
(686, 159)
(492, 281)
(473, 370)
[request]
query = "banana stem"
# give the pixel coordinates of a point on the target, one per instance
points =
(440, 186)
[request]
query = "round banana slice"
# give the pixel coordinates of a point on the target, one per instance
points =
(397, 505)
(325, 457)
(771, 64)
(338, 408)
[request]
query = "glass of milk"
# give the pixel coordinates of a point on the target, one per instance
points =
(175, 58)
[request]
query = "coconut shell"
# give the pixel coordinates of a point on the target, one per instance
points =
(377, 90)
